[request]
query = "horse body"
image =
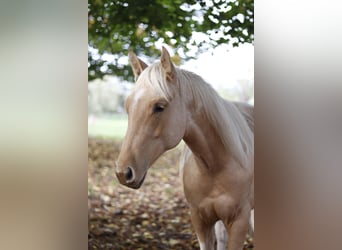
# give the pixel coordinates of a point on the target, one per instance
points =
(212, 199)
(216, 186)
(168, 105)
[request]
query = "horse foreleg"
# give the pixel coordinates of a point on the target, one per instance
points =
(221, 236)
(237, 231)
(204, 231)
(251, 227)
(251, 224)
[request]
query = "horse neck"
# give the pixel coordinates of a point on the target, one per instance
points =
(204, 141)
(215, 140)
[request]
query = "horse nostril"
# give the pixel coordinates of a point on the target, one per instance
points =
(129, 174)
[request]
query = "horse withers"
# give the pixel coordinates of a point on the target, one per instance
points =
(168, 105)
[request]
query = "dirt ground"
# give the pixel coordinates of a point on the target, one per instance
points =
(156, 216)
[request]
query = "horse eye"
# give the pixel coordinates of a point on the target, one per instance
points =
(158, 108)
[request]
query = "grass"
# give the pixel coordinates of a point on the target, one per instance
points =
(113, 126)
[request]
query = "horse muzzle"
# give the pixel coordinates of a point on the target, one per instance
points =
(128, 178)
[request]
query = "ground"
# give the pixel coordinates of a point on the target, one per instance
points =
(154, 217)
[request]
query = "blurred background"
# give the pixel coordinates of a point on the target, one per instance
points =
(211, 38)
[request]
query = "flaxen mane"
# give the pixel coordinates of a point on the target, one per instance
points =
(224, 116)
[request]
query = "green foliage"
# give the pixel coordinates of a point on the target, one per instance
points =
(116, 26)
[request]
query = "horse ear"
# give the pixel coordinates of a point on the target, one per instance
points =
(167, 65)
(137, 64)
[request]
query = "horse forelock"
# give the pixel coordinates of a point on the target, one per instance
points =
(154, 77)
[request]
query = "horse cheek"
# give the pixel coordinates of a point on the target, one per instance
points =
(157, 132)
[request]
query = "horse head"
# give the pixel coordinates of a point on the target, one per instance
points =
(156, 118)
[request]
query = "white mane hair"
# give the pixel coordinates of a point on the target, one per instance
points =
(230, 124)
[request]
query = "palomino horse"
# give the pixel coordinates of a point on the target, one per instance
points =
(169, 104)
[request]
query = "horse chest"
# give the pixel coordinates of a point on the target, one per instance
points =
(215, 196)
